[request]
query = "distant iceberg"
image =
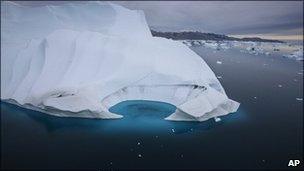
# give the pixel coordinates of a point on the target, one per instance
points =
(291, 51)
(78, 60)
(297, 55)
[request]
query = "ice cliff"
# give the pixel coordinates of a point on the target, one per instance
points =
(77, 60)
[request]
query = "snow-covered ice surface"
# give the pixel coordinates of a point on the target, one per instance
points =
(78, 60)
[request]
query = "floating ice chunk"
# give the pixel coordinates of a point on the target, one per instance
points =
(250, 48)
(187, 43)
(297, 55)
(196, 43)
(211, 44)
(280, 85)
(225, 45)
(219, 77)
(299, 99)
(219, 62)
(217, 119)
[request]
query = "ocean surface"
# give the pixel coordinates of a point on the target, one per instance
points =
(266, 131)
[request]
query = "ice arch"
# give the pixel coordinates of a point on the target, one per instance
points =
(172, 94)
(192, 101)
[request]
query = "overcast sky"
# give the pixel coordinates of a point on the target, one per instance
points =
(276, 18)
(233, 18)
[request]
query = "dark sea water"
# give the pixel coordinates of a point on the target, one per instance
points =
(266, 132)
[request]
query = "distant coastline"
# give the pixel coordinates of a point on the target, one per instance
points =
(196, 35)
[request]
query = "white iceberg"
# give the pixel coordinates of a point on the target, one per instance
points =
(77, 60)
(211, 44)
(187, 42)
(219, 62)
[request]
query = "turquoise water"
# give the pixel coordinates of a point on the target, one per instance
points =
(149, 116)
(143, 115)
(143, 110)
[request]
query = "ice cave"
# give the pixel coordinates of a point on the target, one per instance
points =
(78, 60)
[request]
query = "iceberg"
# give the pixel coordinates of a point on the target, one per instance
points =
(78, 60)
(297, 55)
